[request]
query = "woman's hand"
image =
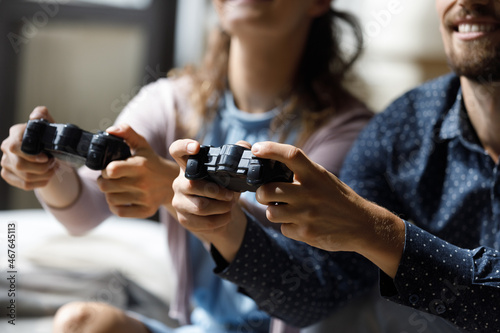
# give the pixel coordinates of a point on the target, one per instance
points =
(21, 170)
(318, 209)
(208, 210)
(138, 186)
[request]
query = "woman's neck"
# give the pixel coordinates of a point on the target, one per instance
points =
(261, 73)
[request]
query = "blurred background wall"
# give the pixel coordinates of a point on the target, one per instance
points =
(86, 59)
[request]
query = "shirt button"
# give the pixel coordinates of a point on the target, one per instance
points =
(414, 299)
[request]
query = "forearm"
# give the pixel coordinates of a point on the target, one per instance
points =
(171, 171)
(84, 212)
(63, 189)
(229, 242)
(383, 240)
(226, 240)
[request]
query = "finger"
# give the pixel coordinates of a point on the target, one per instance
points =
(124, 198)
(289, 230)
(203, 188)
(181, 149)
(135, 211)
(202, 224)
(41, 112)
(244, 144)
(288, 213)
(135, 141)
(16, 132)
(121, 169)
(271, 193)
(18, 182)
(278, 213)
(13, 145)
(293, 157)
(29, 165)
(202, 206)
(114, 185)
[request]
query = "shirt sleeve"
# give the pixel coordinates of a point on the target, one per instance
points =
(293, 281)
(151, 114)
(460, 285)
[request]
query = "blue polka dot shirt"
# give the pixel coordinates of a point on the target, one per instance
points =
(422, 159)
(293, 281)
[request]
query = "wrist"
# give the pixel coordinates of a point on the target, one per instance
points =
(63, 189)
(382, 242)
(229, 240)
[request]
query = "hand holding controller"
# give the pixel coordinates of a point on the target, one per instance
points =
(70, 143)
(235, 168)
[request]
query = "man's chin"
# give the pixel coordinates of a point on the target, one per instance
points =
(482, 68)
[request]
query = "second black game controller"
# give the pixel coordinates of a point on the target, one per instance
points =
(70, 143)
(235, 168)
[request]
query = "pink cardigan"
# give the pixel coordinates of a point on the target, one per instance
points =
(157, 113)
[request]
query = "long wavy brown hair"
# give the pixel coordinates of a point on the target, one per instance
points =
(317, 92)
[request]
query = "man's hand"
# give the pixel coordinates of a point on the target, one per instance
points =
(138, 186)
(320, 210)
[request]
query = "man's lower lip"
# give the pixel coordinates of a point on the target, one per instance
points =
(465, 36)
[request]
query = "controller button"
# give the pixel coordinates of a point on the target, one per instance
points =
(255, 172)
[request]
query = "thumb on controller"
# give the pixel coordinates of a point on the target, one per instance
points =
(41, 112)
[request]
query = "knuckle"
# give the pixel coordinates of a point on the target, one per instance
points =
(13, 130)
(176, 202)
(143, 185)
(111, 170)
(4, 161)
(177, 184)
(142, 162)
(3, 173)
(24, 185)
(197, 208)
(4, 146)
(19, 164)
(294, 153)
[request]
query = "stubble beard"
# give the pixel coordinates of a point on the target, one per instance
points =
(479, 61)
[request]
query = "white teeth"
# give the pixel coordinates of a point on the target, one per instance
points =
(475, 28)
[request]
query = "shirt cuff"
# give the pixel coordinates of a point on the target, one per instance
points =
(431, 272)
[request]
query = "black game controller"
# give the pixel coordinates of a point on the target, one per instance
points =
(70, 143)
(235, 168)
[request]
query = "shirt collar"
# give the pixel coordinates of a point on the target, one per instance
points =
(258, 119)
(451, 124)
(457, 124)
